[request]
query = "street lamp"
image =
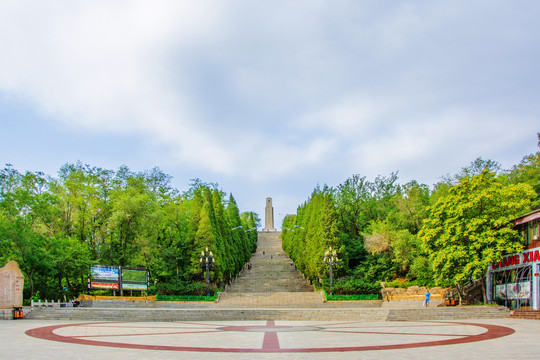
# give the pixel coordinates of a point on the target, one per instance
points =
(207, 260)
(331, 259)
(238, 227)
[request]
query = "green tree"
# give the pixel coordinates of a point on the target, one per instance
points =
(528, 172)
(24, 205)
(384, 238)
(241, 249)
(71, 260)
(131, 205)
(307, 236)
(206, 236)
(469, 228)
(359, 202)
(411, 203)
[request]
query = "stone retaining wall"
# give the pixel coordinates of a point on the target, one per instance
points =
(6, 314)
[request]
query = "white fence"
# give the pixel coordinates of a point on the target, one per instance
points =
(51, 303)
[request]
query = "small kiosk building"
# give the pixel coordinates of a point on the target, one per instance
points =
(514, 281)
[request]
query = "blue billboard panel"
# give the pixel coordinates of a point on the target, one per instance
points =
(100, 272)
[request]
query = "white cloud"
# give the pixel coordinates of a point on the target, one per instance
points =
(426, 148)
(349, 117)
(107, 67)
(102, 66)
(271, 91)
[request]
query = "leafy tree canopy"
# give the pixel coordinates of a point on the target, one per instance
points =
(469, 228)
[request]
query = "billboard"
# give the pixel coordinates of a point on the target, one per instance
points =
(520, 290)
(128, 286)
(109, 273)
(512, 291)
(101, 285)
(118, 278)
(105, 277)
(134, 275)
(134, 279)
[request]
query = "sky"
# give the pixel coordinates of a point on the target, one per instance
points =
(269, 98)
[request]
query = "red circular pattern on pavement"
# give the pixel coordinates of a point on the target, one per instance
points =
(271, 341)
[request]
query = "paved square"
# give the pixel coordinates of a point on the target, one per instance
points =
(474, 339)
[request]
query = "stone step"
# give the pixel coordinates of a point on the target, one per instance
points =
(235, 304)
(526, 314)
(272, 271)
(271, 299)
(448, 313)
(291, 314)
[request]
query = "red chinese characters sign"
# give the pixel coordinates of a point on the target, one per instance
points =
(525, 257)
(100, 285)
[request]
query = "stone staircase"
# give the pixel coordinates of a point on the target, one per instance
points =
(526, 314)
(272, 281)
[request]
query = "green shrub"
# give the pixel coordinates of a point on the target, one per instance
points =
(28, 302)
(397, 283)
(346, 286)
(183, 288)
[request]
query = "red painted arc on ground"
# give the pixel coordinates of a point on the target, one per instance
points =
(271, 340)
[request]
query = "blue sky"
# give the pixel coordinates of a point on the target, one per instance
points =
(269, 98)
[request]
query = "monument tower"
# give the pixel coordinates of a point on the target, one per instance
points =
(269, 216)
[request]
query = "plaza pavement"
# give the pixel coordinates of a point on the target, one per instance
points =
(464, 339)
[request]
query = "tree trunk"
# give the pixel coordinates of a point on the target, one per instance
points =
(82, 283)
(460, 293)
(31, 283)
(484, 294)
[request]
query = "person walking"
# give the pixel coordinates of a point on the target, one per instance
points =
(427, 297)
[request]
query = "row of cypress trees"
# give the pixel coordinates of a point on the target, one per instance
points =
(231, 237)
(307, 235)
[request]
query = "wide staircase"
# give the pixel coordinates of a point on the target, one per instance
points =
(272, 281)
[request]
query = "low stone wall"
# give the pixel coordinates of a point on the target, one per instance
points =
(412, 297)
(413, 293)
(6, 314)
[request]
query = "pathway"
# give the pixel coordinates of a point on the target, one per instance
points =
(273, 280)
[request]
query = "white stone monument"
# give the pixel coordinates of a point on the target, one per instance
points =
(269, 216)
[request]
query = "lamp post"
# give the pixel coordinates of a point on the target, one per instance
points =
(331, 259)
(207, 260)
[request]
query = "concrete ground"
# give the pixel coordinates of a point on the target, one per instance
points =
(469, 339)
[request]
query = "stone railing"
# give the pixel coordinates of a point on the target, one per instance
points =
(46, 303)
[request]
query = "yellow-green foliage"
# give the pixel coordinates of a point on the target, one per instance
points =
(470, 227)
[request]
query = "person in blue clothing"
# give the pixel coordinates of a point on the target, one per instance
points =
(427, 296)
